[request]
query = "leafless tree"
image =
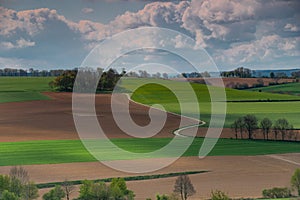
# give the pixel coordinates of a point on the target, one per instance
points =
(68, 187)
(19, 173)
(184, 187)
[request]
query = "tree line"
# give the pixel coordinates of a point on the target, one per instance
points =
(249, 125)
(242, 72)
(30, 72)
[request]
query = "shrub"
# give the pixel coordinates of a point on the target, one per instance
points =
(219, 195)
(277, 193)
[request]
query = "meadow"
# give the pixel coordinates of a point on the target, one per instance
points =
(18, 89)
(239, 102)
(288, 88)
(69, 151)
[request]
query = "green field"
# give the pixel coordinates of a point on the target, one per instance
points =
(239, 102)
(13, 89)
(288, 88)
(67, 151)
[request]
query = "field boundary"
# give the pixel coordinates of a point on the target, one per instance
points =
(128, 178)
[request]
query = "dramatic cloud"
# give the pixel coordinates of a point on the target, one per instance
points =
(235, 32)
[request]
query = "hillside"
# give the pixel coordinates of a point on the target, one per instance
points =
(290, 88)
(239, 102)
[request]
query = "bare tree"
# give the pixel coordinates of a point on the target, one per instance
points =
(250, 123)
(184, 187)
(266, 125)
(68, 187)
(19, 173)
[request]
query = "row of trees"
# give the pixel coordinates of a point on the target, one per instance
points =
(30, 72)
(196, 75)
(249, 124)
(242, 72)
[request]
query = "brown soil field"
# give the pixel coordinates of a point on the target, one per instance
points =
(239, 176)
(53, 120)
(232, 82)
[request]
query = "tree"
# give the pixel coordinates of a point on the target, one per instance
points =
(116, 190)
(85, 190)
(295, 180)
(68, 188)
(64, 82)
(219, 195)
(6, 195)
(18, 179)
(266, 125)
(250, 123)
(282, 126)
(30, 191)
(55, 194)
(238, 125)
(184, 187)
(4, 183)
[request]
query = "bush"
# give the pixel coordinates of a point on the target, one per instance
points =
(276, 193)
(219, 195)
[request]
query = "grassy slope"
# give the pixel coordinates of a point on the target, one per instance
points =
(156, 94)
(66, 151)
(289, 88)
(14, 89)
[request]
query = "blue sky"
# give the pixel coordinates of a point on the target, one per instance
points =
(259, 34)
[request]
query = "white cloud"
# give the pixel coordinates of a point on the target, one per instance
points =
(291, 27)
(21, 43)
(87, 10)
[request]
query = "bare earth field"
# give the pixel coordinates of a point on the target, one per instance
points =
(240, 176)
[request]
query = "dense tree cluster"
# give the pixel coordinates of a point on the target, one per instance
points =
(117, 189)
(240, 72)
(249, 124)
(65, 82)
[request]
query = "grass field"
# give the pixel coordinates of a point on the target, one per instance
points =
(239, 103)
(289, 88)
(13, 89)
(67, 151)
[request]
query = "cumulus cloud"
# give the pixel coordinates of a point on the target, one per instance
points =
(234, 31)
(28, 21)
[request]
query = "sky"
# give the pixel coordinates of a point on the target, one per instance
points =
(52, 34)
